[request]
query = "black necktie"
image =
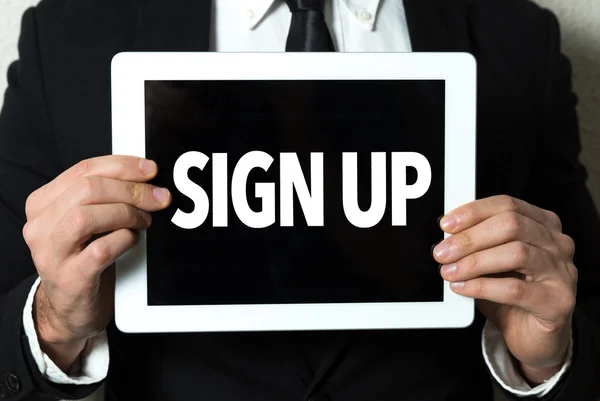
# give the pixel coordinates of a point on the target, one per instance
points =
(308, 30)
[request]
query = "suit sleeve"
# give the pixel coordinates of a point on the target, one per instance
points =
(28, 159)
(559, 184)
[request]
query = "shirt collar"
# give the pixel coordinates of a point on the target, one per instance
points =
(363, 11)
(256, 10)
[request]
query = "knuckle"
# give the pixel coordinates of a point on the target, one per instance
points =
(567, 302)
(568, 245)
(130, 214)
(510, 203)
(120, 166)
(78, 219)
(515, 290)
(479, 288)
(127, 211)
(463, 239)
(30, 204)
(573, 272)
(99, 252)
(555, 250)
(29, 233)
(468, 263)
(553, 219)
(137, 193)
(521, 253)
(512, 221)
(88, 188)
(81, 169)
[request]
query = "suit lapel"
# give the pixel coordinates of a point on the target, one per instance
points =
(173, 25)
(437, 25)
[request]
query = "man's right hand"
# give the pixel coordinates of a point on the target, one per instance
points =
(77, 226)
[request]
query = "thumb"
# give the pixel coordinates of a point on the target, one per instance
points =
(491, 310)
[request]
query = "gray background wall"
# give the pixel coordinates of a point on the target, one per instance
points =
(580, 21)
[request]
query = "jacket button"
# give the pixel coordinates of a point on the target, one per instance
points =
(12, 383)
(319, 397)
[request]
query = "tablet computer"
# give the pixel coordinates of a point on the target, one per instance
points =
(306, 188)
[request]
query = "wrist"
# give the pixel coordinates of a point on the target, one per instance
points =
(54, 340)
(65, 356)
(544, 368)
(536, 375)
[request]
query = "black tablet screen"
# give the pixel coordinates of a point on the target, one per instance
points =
(313, 215)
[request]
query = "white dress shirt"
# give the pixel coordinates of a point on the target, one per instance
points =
(262, 26)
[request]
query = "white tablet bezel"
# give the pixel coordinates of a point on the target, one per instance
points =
(130, 70)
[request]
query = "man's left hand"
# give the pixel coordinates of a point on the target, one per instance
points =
(514, 259)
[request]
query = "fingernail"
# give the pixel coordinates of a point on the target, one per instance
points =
(449, 270)
(161, 194)
(457, 285)
(449, 222)
(147, 166)
(442, 249)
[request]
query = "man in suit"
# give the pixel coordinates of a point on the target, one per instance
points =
(58, 189)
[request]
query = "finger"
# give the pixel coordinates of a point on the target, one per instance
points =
(475, 212)
(124, 168)
(497, 230)
(99, 254)
(99, 190)
(529, 296)
(82, 222)
(517, 256)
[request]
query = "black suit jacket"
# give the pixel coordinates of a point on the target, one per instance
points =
(57, 112)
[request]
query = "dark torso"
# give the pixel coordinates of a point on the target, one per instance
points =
(77, 42)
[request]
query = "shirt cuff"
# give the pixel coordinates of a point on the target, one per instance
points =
(500, 362)
(92, 364)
